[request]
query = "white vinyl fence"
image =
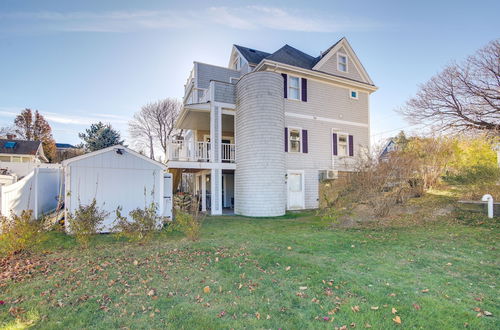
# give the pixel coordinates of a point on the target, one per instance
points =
(39, 191)
(23, 169)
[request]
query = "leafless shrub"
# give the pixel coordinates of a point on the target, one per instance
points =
(380, 185)
(187, 217)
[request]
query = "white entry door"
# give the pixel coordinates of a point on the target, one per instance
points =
(295, 190)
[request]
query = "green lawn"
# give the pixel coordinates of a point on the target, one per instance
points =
(289, 272)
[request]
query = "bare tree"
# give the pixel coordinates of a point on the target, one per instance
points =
(154, 124)
(141, 131)
(463, 97)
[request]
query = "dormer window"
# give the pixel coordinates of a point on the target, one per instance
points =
(237, 63)
(342, 62)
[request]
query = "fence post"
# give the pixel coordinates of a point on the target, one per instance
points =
(35, 178)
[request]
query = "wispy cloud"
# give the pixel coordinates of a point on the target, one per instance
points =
(242, 18)
(66, 119)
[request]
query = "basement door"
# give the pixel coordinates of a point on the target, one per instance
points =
(295, 190)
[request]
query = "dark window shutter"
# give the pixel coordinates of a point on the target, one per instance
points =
(304, 141)
(351, 145)
(335, 150)
(304, 89)
(285, 87)
(286, 139)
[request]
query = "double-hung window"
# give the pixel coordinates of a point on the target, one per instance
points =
(294, 139)
(343, 144)
(294, 88)
(342, 62)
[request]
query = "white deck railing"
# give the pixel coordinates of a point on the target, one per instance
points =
(197, 151)
(228, 152)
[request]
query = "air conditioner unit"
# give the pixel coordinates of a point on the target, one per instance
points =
(331, 174)
(328, 175)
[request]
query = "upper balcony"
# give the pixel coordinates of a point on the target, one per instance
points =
(194, 151)
(198, 84)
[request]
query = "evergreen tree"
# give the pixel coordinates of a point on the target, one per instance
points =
(100, 136)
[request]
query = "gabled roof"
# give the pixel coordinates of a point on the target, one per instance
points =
(19, 147)
(292, 56)
(253, 56)
(114, 148)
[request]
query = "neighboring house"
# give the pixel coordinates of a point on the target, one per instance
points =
(64, 146)
(261, 132)
(65, 151)
(21, 151)
(389, 147)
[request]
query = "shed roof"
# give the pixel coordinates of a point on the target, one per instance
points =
(114, 148)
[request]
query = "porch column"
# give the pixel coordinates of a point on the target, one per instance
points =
(203, 192)
(216, 191)
(215, 127)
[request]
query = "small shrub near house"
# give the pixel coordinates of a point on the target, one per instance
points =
(20, 233)
(142, 225)
(187, 217)
(86, 222)
(378, 185)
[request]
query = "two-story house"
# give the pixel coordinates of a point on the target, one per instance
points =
(262, 132)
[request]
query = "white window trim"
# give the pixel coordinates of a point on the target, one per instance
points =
(338, 144)
(299, 88)
(357, 94)
(346, 62)
(300, 140)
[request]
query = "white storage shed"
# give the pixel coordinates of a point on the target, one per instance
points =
(117, 177)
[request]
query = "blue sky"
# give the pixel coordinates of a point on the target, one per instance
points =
(83, 61)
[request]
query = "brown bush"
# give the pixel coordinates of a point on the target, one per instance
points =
(20, 233)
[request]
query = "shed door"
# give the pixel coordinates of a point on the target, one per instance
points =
(167, 195)
(295, 188)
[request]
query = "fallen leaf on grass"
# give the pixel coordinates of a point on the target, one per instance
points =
(374, 308)
(397, 320)
(257, 315)
(425, 290)
(486, 313)
(287, 268)
(392, 295)
(151, 292)
(206, 289)
(394, 310)
(303, 287)
(417, 307)
(355, 309)
(289, 248)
